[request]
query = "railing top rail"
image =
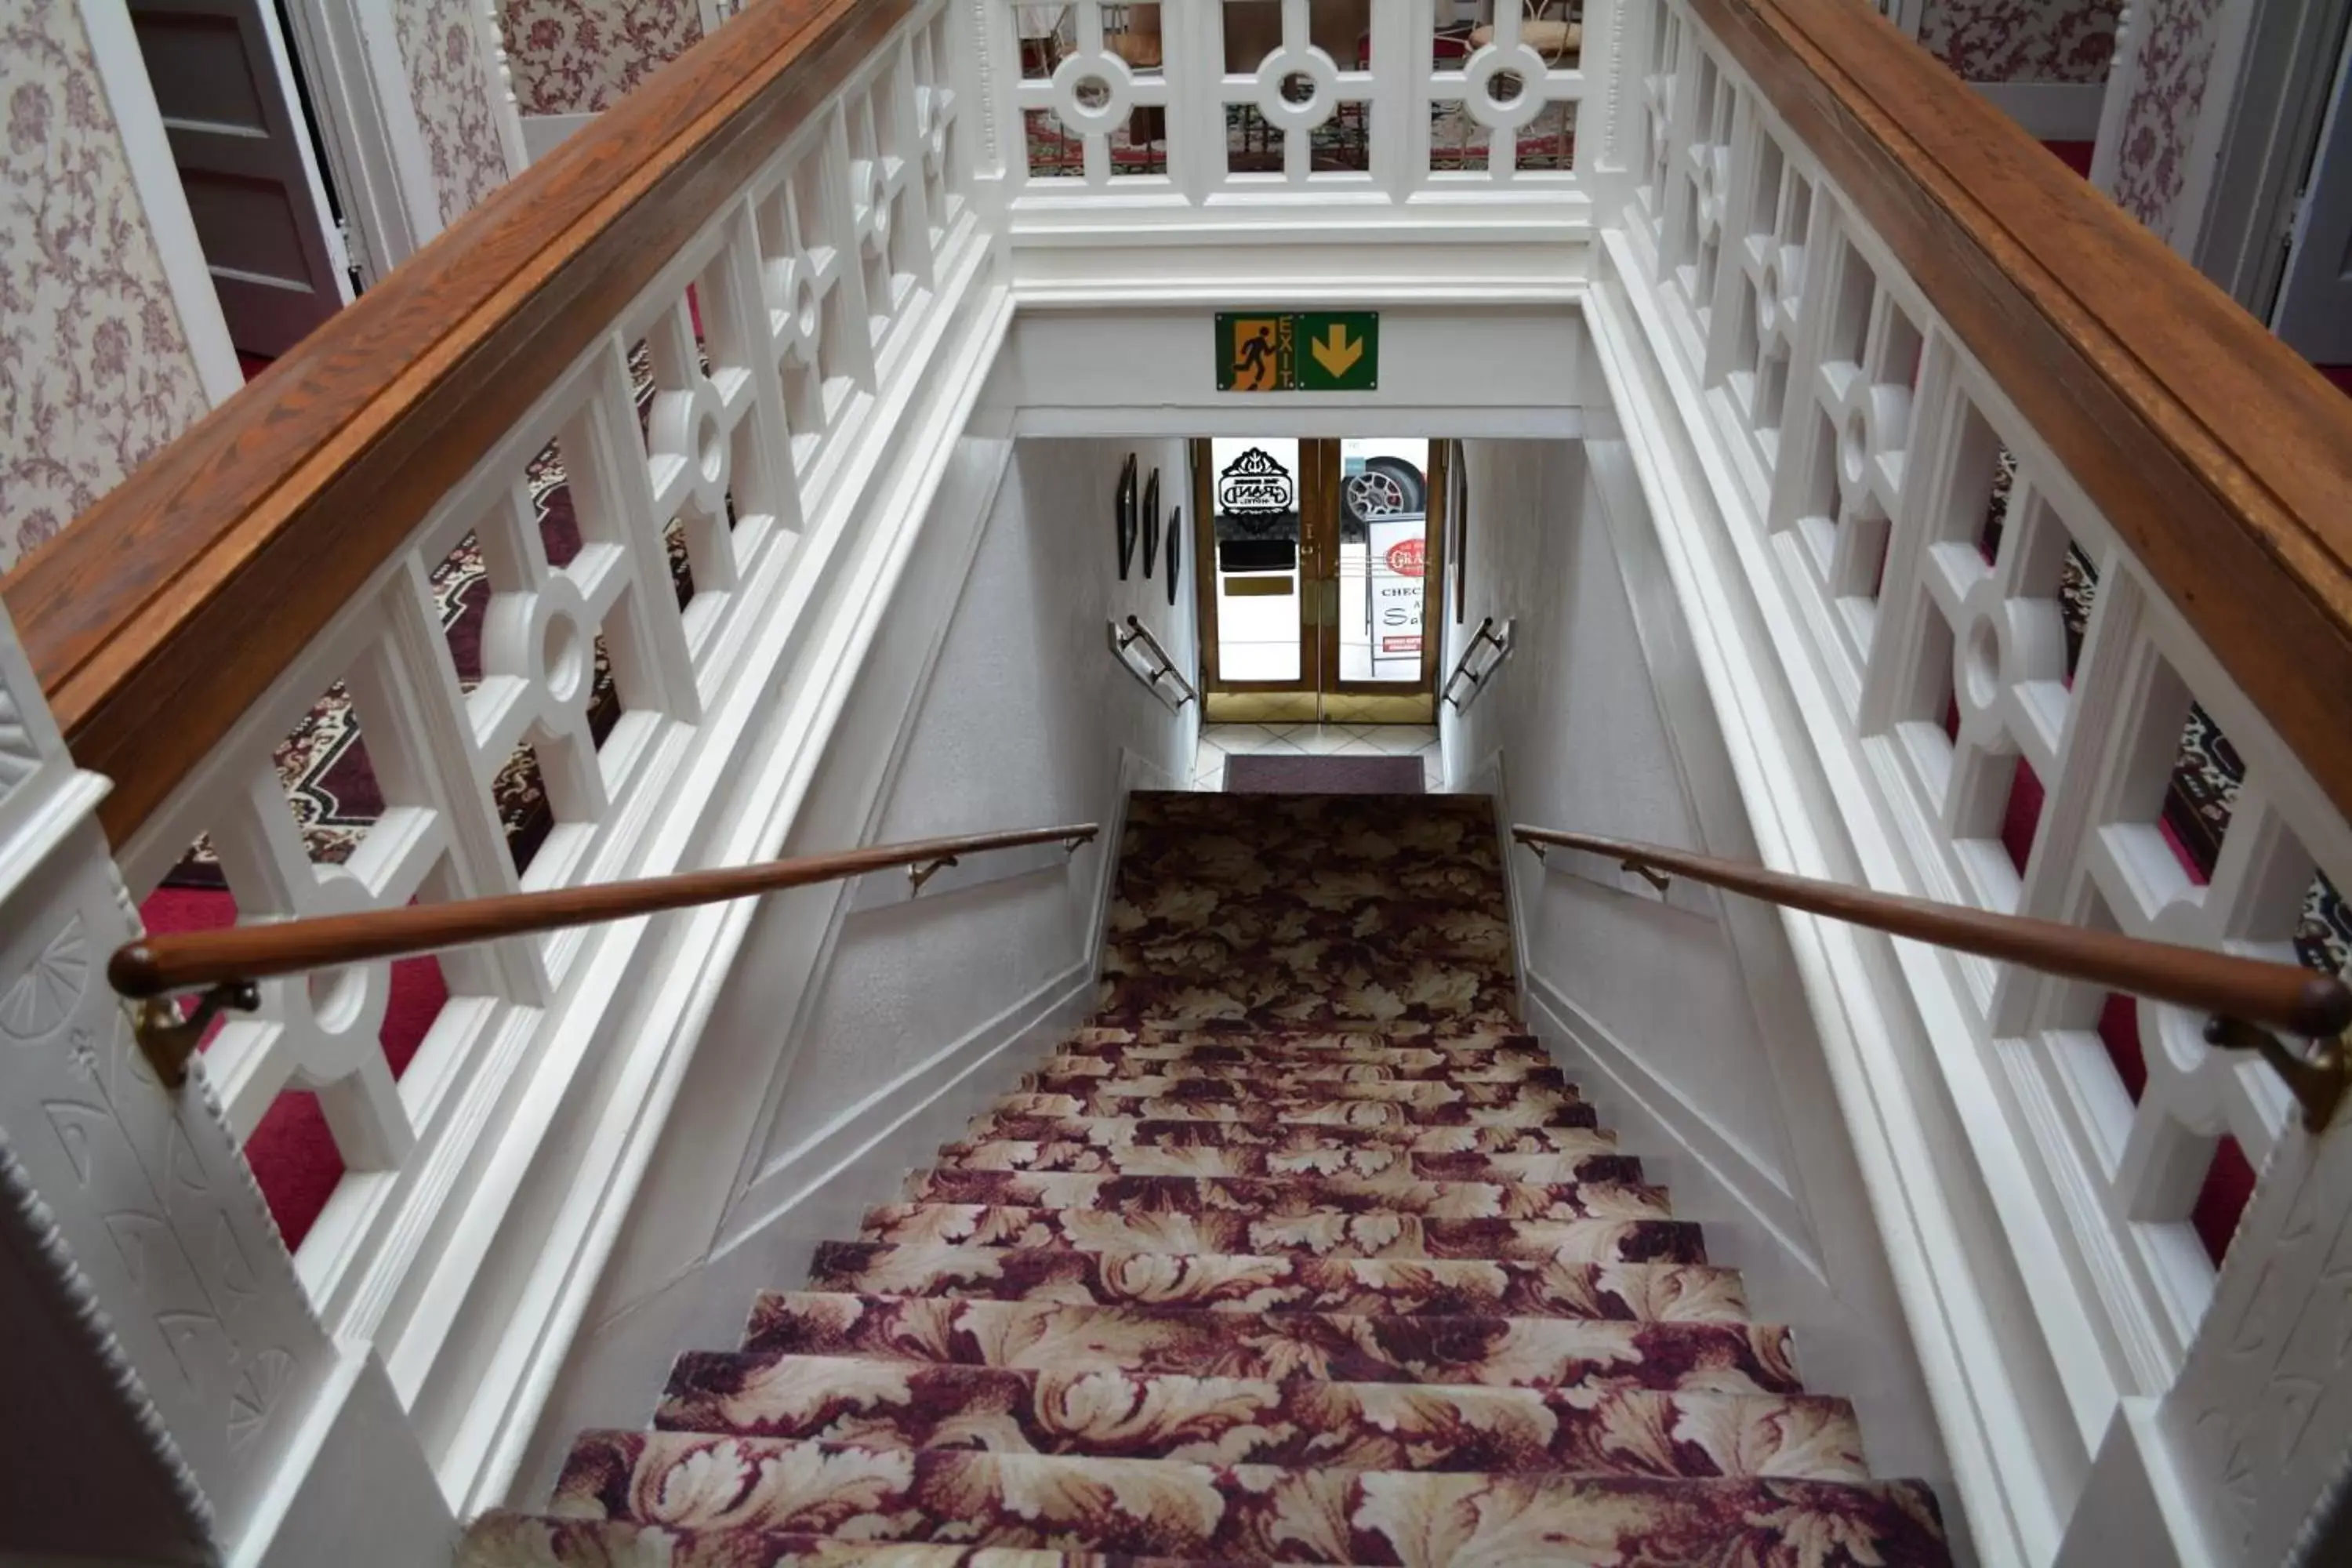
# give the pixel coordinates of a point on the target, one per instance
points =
(2223, 459)
(167, 609)
(158, 966)
(2249, 990)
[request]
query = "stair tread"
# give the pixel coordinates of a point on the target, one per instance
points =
(1296, 1282)
(1290, 1070)
(1379, 1235)
(1276, 1105)
(506, 1538)
(1416, 1092)
(1118, 1414)
(1287, 1197)
(1525, 1353)
(1367, 1160)
(1411, 1055)
(1505, 1035)
(1251, 1512)
(1118, 1132)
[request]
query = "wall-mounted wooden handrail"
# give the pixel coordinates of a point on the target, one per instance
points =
(1137, 631)
(2223, 461)
(226, 963)
(164, 611)
(2240, 991)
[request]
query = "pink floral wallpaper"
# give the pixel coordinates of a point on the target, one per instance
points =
(575, 56)
(95, 369)
(2023, 40)
(450, 73)
(2175, 54)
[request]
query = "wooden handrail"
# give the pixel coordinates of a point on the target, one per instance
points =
(159, 965)
(164, 611)
(2223, 461)
(2234, 990)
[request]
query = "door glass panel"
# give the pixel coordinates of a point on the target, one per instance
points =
(1254, 491)
(1383, 558)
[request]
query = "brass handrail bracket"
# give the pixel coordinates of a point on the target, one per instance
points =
(2317, 1077)
(167, 1040)
(1664, 884)
(919, 874)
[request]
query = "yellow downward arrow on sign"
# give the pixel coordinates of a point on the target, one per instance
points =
(1336, 354)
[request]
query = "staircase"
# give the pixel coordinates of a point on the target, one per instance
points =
(1300, 1253)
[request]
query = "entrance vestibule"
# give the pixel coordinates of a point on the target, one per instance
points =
(1314, 602)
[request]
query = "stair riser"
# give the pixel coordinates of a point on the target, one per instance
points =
(1122, 1131)
(1420, 1094)
(1274, 1108)
(1364, 1163)
(1221, 1282)
(1503, 1353)
(1288, 1197)
(1243, 1513)
(1507, 1431)
(1322, 1235)
(1291, 1068)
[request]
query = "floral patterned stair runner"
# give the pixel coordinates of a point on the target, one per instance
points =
(1302, 1252)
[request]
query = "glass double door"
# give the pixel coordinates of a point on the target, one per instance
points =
(1324, 555)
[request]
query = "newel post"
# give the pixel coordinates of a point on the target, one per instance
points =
(155, 1297)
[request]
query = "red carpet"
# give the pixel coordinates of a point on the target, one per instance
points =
(1237, 1275)
(292, 1154)
(2076, 155)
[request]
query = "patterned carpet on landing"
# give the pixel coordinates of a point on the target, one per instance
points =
(1302, 1252)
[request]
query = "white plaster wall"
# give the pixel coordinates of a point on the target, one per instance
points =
(859, 1030)
(1024, 725)
(1681, 1018)
(1585, 749)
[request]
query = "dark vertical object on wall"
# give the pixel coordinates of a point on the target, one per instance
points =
(1175, 542)
(1150, 521)
(1458, 559)
(1123, 506)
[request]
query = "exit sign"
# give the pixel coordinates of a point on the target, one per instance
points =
(1298, 351)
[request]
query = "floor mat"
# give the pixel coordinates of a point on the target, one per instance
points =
(1322, 776)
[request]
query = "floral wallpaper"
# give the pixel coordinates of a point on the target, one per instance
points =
(2023, 40)
(2175, 53)
(450, 75)
(95, 369)
(575, 56)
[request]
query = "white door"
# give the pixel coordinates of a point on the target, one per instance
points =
(226, 85)
(2315, 308)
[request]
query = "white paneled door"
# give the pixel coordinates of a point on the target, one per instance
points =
(224, 83)
(2315, 308)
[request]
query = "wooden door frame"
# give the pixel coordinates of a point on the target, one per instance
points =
(1318, 509)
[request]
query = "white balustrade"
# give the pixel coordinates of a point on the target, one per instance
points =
(2048, 736)
(1196, 102)
(510, 703)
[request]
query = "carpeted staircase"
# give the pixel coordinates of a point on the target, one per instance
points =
(1302, 1253)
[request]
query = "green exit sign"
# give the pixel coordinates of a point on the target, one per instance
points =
(1298, 351)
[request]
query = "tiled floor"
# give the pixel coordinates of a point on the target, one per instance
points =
(1219, 742)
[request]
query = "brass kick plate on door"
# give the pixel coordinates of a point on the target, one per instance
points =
(1260, 587)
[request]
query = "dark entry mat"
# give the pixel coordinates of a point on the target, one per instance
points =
(1284, 773)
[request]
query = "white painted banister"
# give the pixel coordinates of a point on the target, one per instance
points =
(2017, 716)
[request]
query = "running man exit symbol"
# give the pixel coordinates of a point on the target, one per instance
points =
(1259, 350)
